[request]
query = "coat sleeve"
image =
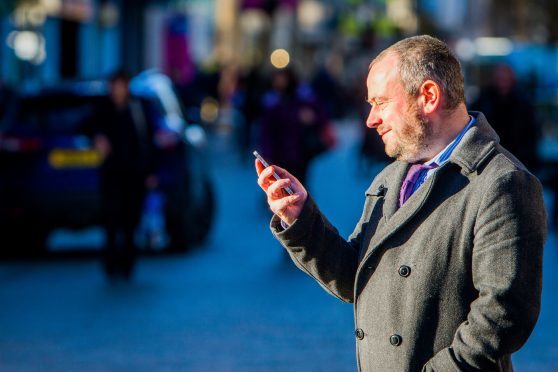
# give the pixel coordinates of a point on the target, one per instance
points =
(509, 236)
(316, 248)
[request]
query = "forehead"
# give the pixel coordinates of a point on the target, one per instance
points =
(383, 77)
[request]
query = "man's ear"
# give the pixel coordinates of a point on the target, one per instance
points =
(430, 96)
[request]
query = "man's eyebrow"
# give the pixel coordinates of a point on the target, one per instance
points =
(375, 99)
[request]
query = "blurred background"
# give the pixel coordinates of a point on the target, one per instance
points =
(204, 83)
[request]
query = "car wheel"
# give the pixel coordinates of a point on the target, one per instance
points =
(179, 218)
(189, 224)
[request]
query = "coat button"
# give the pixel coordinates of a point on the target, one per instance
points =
(359, 333)
(395, 340)
(404, 271)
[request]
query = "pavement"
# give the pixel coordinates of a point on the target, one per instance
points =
(234, 304)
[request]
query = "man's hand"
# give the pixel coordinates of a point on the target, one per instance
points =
(285, 206)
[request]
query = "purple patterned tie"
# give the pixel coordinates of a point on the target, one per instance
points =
(409, 181)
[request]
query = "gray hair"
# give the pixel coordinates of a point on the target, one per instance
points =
(422, 58)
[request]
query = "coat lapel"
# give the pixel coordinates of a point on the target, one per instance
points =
(410, 207)
(393, 184)
(396, 218)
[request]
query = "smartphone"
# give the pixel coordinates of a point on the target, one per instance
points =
(275, 175)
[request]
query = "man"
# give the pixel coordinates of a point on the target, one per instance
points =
(125, 141)
(444, 266)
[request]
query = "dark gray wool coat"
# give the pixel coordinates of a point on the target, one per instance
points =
(451, 281)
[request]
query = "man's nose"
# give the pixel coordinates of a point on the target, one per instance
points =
(373, 119)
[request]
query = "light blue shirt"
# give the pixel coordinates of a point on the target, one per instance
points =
(443, 156)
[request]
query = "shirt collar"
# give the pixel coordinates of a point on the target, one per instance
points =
(443, 156)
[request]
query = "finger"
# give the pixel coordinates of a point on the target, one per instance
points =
(259, 166)
(276, 189)
(265, 179)
(279, 205)
(262, 171)
(268, 172)
(263, 183)
(283, 173)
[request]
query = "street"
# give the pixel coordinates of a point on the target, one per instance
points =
(233, 304)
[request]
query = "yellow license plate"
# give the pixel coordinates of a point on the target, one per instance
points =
(62, 158)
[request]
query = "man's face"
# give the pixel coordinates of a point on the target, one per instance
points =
(395, 115)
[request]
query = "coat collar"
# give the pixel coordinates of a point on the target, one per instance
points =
(475, 147)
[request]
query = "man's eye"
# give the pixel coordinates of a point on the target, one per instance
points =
(376, 104)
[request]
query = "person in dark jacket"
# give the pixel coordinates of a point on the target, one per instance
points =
(512, 115)
(293, 129)
(125, 141)
(444, 267)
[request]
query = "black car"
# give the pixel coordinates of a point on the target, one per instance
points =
(49, 168)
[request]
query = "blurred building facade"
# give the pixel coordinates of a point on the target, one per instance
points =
(49, 41)
(46, 41)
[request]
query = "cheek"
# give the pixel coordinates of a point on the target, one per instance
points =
(393, 120)
(408, 133)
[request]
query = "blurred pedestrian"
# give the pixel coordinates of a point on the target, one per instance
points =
(510, 111)
(445, 265)
(293, 129)
(231, 118)
(329, 92)
(125, 141)
(251, 88)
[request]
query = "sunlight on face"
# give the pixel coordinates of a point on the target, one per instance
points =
(412, 138)
(394, 114)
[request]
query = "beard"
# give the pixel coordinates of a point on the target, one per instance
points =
(413, 137)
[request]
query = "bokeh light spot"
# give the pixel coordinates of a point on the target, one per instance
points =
(280, 58)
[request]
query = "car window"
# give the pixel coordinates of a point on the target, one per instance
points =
(55, 114)
(160, 88)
